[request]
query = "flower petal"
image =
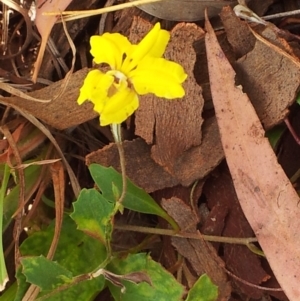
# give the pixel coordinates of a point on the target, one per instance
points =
(160, 77)
(95, 88)
(119, 107)
(153, 44)
(161, 42)
(109, 48)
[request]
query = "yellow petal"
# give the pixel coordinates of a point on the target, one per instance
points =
(160, 77)
(119, 107)
(153, 44)
(161, 42)
(100, 104)
(109, 48)
(95, 88)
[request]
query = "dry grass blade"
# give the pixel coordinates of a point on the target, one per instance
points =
(10, 89)
(58, 180)
(44, 25)
(21, 203)
(74, 15)
(59, 191)
(24, 13)
(266, 195)
(74, 182)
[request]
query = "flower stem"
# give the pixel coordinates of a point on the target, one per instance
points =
(116, 131)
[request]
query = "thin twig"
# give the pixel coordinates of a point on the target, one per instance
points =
(291, 129)
(281, 15)
(168, 232)
(74, 15)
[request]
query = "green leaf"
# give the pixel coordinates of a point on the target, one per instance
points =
(136, 199)
(3, 189)
(115, 191)
(164, 285)
(93, 214)
(44, 273)
(203, 290)
(76, 252)
(11, 200)
(10, 293)
(22, 285)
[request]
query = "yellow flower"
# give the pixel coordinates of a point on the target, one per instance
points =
(134, 70)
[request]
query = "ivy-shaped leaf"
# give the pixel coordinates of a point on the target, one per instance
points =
(93, 214)
(76, 252)
(203, 290)
(164, 286)
(44, 273)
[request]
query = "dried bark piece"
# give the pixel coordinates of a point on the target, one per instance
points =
(61, 113)
(145, 172)
(199, 253)
(140, 168)
(174, 126)
(268, 200)
(267, 68)
(199, 161)
(220, 192)
(242, 40)
(169, 255)
(237, 32)
(278, 38)
(123, 20)
(271, 81)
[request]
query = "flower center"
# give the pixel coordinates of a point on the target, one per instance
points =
(120, 83)
(119, 76)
